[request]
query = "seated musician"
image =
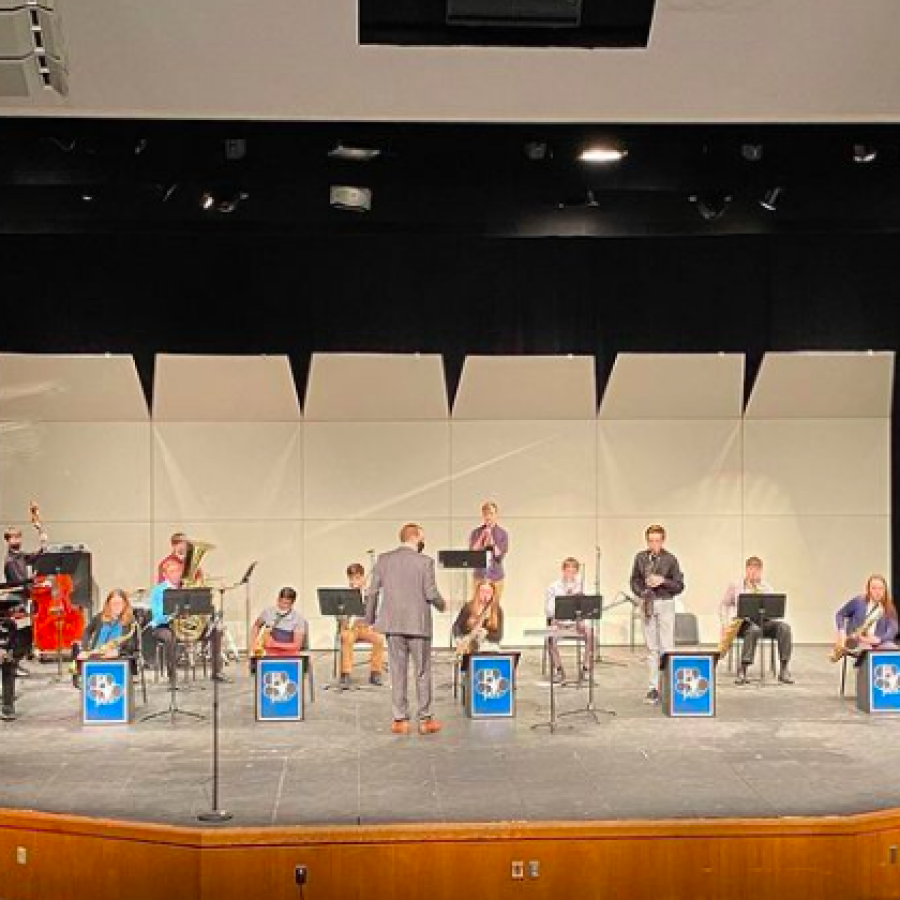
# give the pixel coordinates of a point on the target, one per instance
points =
(178, 554)
(110, 634)
(356, 631)
(568, 584)
(15, 574)
(867, 621)
(750, 632)
(279, 630)
(479, 625)
(171, 570)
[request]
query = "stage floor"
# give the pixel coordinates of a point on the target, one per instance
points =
(772, 751)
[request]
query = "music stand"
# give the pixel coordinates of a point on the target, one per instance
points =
(761, 608)
(55, 563)
(186, 602)
(579, 608)
(340, 602)
(246, 582)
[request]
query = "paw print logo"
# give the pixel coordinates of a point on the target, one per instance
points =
(103, 689)
(689, 684)
(278, 688)
(490, 684)
(886, 678)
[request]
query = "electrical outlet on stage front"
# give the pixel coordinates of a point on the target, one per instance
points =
(21, 856)
(518, 870)
(534, 868)
(300, 874)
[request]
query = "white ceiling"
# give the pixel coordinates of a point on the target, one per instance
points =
(708, 60)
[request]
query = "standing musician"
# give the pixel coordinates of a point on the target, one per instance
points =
(479, 625)
(867, 621)
(279, 630)
(569, 584)
(356, 631)
(8, 637)
(491, 537)
(656, 580)
(112, 633)
(16, 574)
(398, 604)
(777, 629)
(178, 554)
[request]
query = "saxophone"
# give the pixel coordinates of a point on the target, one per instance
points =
(259, 645)
(851, 642)
(114, 643)
(732, 629)
(470, 641)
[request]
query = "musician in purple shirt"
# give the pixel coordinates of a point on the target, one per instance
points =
(491, 537)
(868, 621)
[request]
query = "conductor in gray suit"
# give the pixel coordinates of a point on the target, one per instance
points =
(404, 578)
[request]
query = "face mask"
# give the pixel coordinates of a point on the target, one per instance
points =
(420, 546)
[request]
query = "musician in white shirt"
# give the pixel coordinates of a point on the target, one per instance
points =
(570, 583)
(750, 632)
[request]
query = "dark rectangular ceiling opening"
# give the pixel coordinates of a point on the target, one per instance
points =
(506, 23)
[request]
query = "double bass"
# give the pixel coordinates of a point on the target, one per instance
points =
(57, 623)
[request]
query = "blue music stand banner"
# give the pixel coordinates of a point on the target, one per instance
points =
(106, 692)
(690, 684)
(490, 688)
(279, 689)
(881, 688)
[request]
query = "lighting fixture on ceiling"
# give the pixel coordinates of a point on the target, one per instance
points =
(711, 206)
(601, 154)
(225, 202)
(752, 152)
(352, 199)
(354, 153)
(771, 198)
(864, 153)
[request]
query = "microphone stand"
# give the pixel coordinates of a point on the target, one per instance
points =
(215, 814)
(595, 656)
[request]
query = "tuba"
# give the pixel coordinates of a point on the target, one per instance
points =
(189, 629)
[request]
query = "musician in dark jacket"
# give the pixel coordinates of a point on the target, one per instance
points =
(656, 580)
(15, 574)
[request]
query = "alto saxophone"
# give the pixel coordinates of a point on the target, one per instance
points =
(470, 641)
(114, 643)
(259, 645)
(851, 642)
(733, 627)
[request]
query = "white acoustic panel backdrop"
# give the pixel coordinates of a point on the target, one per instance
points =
(534, 468)
(372, 387)
(820, 562)
(78, 471)
(235, 471)
(224, 389)
(817, 466)
(376, 470)
(331, 545)
(669, 467)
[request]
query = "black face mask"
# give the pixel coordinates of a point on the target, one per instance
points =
(420, 546)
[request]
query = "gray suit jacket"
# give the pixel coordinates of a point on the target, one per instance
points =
(405, 580)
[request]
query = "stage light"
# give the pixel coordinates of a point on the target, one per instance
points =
(770, 198)
(711, 206)
(602, 154)
(752, 152)
(226, 202)
(352, 199)
(353, 153)
(207, 201)
(864, 153)
(537, 151)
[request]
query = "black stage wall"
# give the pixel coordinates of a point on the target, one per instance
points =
(243, 293)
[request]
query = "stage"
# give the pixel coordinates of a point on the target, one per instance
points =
(772, 752)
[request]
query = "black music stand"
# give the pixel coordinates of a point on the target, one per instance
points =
(185, 602)
(580, 608)
(340, 602)
(761, 608)
(53, 563)
(246, 582)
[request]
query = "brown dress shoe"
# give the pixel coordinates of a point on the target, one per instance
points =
(400, 726)
(429, 726)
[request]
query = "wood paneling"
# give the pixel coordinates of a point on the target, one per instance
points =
(70, 858)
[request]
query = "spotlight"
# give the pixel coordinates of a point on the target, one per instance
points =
(353, 199)
(770, 198)
(226, 202)
(711, 206)
(864, 153)
(537, 151)
(353, 153)
(752, 152)
(602, 154)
